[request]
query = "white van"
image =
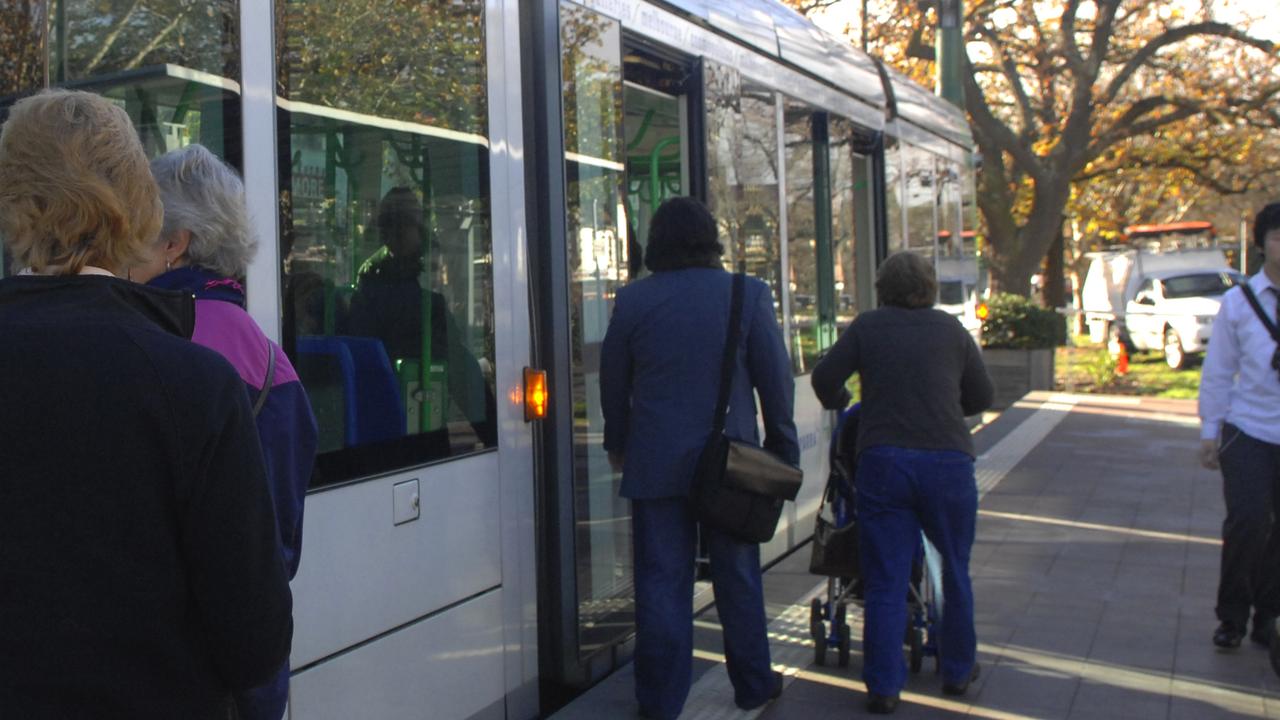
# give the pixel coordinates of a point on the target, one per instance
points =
(1155, 300)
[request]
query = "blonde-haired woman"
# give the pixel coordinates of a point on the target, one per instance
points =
(141, 575)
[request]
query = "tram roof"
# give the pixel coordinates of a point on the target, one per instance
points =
(917, 105)
(778, 30)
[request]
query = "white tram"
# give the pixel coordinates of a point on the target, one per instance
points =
(460, 561)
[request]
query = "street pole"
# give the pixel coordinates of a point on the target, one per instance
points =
(864, 25)
(950, 49)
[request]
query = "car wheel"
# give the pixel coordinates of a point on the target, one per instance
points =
(1174, 356)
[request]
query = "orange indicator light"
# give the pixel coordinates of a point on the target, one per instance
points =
(982, 311)
(535, 394)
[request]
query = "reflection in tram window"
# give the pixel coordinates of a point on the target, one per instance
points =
(172, 65)
(920, 197)
(742, 169)
(388, 296)
(950, 220)
(893, 195)
(599, 262)
(843, 251)
(802, 238)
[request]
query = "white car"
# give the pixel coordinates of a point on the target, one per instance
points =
(1173, 312)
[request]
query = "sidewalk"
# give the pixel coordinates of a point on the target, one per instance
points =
(1094, 571)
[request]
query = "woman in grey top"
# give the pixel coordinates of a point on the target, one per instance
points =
(921, 374)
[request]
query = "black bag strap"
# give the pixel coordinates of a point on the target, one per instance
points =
(730, 352)
(1262, 314)
(271, 379)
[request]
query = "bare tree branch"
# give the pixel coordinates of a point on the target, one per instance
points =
(981, 117)
(1173, 36)
(1010, 71)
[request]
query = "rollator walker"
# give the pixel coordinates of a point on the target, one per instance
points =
(835, 554)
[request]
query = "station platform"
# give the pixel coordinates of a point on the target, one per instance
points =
(1094, 570)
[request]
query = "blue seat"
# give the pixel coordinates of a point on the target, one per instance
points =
(373, 410)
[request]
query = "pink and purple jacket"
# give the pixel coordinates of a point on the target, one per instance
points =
(286, 426)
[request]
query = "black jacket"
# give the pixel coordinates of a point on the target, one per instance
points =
(921, 374)
(140, 574)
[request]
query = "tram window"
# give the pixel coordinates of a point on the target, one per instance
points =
(172, 65)
(893, 195)
(969, 205)
(802, 234)
(921, 198)
(742, 169)
(843, 250)
(385, 233)
(950, 225)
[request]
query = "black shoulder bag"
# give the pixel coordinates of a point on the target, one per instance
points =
(739, 487)
(1266, 322)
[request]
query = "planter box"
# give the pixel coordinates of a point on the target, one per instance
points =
(1017, 372)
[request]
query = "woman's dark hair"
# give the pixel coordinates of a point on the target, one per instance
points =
(682, 234)
(1268, 219)
(906, 280)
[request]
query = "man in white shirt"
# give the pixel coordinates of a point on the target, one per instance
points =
(1240, 432)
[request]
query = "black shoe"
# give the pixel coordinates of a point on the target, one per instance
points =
(1260, 635)
(1228, 635)
(777, 690)
(1274, 642)
(881, 704)
(963, 687)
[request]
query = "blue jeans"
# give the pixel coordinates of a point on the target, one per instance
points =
(901, 492)
(665, 547)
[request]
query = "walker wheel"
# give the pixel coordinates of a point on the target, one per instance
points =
(819, 647)
(843, 647)
(917, 649)
(818, 631)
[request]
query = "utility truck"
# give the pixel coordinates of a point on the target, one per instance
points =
(1161, 292)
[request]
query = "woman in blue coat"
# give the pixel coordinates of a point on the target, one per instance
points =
(659, 376)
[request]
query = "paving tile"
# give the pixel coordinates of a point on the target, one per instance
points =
(1026, 690)
(1096, 699)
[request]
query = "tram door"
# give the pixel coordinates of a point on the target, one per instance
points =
(624, 152)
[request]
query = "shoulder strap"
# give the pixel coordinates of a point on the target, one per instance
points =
(730, 352)
(1262, 314)
(271, 379)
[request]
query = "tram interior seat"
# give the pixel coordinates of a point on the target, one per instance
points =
(371, 408)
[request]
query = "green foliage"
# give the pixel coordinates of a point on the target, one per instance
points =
(1099, 367)
(1015, 322)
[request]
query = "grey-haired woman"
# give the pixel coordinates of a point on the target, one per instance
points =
(204, 248)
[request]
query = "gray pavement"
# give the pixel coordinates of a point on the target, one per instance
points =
(1094, 572)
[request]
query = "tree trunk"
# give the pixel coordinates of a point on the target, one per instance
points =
(1016, 256)
(1055, 289)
